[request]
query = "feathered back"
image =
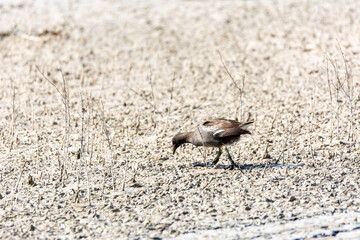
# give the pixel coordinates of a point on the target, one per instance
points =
(224, 128)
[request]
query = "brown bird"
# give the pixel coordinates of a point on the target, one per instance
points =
(214, 133)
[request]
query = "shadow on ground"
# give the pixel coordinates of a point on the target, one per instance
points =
(248, 166)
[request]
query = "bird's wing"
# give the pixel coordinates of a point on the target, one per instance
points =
(226, 128)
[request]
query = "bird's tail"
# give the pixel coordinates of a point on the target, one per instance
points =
(247, 127)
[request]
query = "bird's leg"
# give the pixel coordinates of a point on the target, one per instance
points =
(215, 161)
(233, 164)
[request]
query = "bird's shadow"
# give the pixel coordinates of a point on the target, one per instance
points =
(247, 166)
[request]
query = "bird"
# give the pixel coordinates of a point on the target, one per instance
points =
(216, 133)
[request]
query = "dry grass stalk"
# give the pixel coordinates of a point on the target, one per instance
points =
(135, 170)
(143, 97)
(37, 154)
(32, 116)
(106, 133)
(345, 86)
(91, 149)
(90, 107)
(330, 93)
(83, 110)
(239, 88)
(12, 134)
(17, 184)
(152, 89)
(66, 101)
(348, 93)
(328, 79)
(204, 152)
(80, 155)
(170, 104)
(154, 123)
(285, 146)
(208, 183)
(20, 175)
(266, 153)
(103, 185)
(337, 86)
(67, 119)
(310, 142)
(124, 176)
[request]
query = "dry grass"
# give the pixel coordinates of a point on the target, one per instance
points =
(95, 160)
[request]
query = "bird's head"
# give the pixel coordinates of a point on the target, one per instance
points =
(178, 140)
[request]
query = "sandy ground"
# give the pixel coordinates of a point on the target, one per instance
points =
(136, 73)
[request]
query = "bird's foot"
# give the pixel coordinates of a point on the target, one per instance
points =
(213, 163)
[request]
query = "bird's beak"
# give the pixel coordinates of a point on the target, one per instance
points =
(173, 150)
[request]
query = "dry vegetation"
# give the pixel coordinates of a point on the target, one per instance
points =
(91, 94)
